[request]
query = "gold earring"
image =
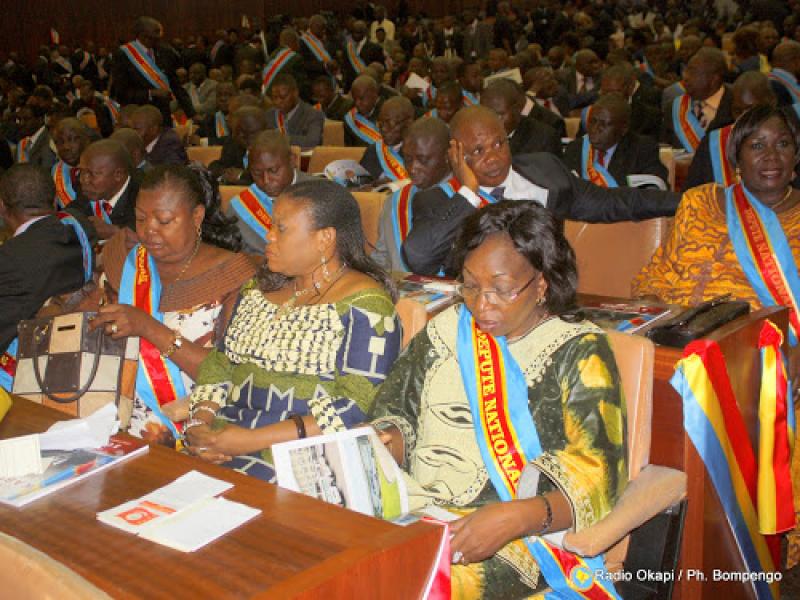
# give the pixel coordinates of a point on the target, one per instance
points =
(325, 273)
(540, 301)
(199, 232)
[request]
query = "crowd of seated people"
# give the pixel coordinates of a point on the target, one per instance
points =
(275, 314)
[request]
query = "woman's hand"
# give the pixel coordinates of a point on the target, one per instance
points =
(220, 443)
(481, 534)
(462, 171)
(123, 320)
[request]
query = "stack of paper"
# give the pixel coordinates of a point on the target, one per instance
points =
(184, 515)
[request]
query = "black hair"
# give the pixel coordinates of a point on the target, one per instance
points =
(331, 205)
(747, 124)
(26, 187)
(285, 79)
(537, 235)
(201, 189)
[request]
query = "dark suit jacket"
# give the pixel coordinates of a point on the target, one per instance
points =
(371, 162)
(295, 67)
(338, 108)
(44, 261)
(548, 117)
(232, 157)
(722, 118)
(313, 68)
(456, 42)
(646, 111)
(41, 153)
(351, 138)
(534, 136)
(783, 95)
(305, 126)
(168, 150)
(438, 218)
(478, 43)
(129, 86)
(370, 53)
(208, 129)
(122, 215)
(634, 155)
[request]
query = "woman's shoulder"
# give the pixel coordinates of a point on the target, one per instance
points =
(707, 199)
(363, 292)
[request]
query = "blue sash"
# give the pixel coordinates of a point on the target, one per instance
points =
(469, 98)
(147, 67)
(8, 365)
(158, 379)
(449, 188)
(686, 126)
(402, 217)
(362, 126)
(86, 247)
(601, 175)
(254, 207)
(508, 440)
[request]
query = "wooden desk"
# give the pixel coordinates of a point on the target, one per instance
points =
(298, 547)
(707, 541)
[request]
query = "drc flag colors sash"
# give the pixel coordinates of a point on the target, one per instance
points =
(402, 214)
(592, 170)
(685, 124)
(139, 56)
(254, 207)
(391, 162)
(362, 126)
(724, 173)
(65, 188)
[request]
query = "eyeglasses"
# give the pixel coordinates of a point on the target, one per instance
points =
(479, 152)
(471, 293)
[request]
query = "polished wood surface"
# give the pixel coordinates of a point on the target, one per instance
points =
(707, 541)
(298, 547)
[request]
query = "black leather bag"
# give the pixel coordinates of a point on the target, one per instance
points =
(696, 322)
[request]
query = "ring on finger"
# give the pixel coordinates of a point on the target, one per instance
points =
(458, 557)
(114, 328)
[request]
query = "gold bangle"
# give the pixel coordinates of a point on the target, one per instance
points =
(177, 344)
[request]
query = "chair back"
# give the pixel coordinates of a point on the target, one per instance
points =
(610, 255)
(333, 133)
(635, 357)
(322, 156)
(184, 131)
(370, 204)
(413, 318)
(572, 125)
(29, 574)
(228, 193)
(204, 154)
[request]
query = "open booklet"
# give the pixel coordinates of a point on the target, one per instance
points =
(65, 467)
(434, 293)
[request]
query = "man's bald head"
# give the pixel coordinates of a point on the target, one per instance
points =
(289, 39)
(395, 116)
(247, 122)
(750, 89)
(478, 115)
(71, 138)
(105, 167)
(113, 151)
(619, 79)
(133, 143)
(147, 121)
(608, 121)
(786, 56)
(425, 151)
(484, 143)
(365, 94)
(271, 142)
(587, 63)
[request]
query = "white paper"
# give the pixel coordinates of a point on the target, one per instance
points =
(90, 432)
(416, 82)
(199, 524)
(345, 169)
(189, 488)
(512, 74)
(20, 456)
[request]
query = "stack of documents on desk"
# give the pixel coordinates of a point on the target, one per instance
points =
(184, 515)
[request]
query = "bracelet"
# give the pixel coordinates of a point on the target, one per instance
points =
(300, 425)
(176, 345)
(192, 423)
(548, 520)
(194, 411)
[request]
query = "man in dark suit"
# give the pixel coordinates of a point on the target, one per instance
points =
(546, 90)
(750, 89)
(246, 123)
(163, 145)
(482, 164)
(360, 123)
(645, 100)
(478, 37)
(359, 46)
(328, 100)
(709, 99)
(129, 84)
(45, 256)
(34, 146)
(395, 118)
(108, 192)
(215, 126)
(292, 116)
(286, 59)
(135, 146)
(582, 80)
(525, 134)
(314, 49)
(786, 72)
(449, 100)
(71, 138)
(448, 41)
(613, 147)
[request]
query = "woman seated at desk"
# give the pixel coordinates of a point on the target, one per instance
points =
(707, 253)
(310, 340)
(184, 253)
(562, 385)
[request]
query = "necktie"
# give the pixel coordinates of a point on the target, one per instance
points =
(497, 193)
(697, 109)
(601, 157)
(548, 105)
(107, 208)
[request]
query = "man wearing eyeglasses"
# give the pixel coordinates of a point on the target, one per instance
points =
(480, 158)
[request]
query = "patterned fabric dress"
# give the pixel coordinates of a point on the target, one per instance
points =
(698, 262)
(323, 360)
(575, 398)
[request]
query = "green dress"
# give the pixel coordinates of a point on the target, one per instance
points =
(576, 402)
(324, 360)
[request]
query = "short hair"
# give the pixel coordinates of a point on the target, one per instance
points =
(129, 138)
(324, 80)
(113, 149)
(747, 124)
(537, 235)
(151, 113)
(144, 25)
(27, 187)
(745, 41)
(200, 190)
(272, 141)
(430, 128)
(623, 71)
(286, 80)
(757, 83)
(463, 66)
(451, 88)
(249, 83)
(714, 58)
(504, 88)
(615, 102)
(331, 205)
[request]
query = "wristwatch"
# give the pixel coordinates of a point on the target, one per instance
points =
(176, 345)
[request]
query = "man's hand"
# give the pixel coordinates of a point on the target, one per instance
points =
(462, 171)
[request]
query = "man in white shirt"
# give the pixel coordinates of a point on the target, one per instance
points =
(202, 91)
(381, 22)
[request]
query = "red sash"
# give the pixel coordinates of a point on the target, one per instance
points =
(256, 208)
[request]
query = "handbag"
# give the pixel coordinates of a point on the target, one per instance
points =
(697, 322)
(63, 364)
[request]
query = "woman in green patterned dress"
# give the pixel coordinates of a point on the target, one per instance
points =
(444, 409)
(310, 339)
